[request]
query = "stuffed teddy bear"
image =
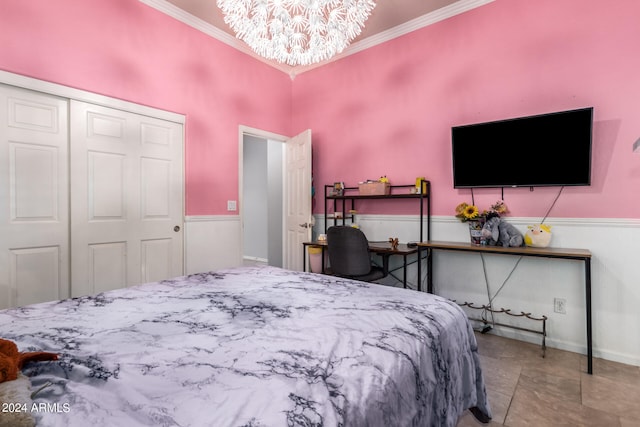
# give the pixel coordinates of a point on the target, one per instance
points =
(501, 233)
(538, 236)
(15, 388)
(12, 361)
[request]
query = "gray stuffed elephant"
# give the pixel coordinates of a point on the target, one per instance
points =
(501, 233)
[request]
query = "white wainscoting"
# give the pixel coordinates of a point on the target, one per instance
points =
(537, 281)
(212, 243)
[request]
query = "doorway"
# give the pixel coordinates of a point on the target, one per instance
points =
(262, 200)
(288, 215)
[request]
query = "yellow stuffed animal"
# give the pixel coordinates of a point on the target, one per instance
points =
(538, 236)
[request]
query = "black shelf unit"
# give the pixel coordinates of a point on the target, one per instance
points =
(351, 194)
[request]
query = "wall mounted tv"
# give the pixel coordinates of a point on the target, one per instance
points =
(536, 151)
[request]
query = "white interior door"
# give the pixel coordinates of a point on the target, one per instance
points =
(127, 200)
(34, 213)
(298, 215)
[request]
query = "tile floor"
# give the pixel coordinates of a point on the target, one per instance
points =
(528, 390)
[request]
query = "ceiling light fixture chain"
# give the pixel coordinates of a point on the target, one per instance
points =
(296, 32)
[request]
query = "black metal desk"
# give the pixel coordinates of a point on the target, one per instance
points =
(380, 248)
(557, 253)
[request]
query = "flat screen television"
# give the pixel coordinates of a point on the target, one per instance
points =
(536, 151)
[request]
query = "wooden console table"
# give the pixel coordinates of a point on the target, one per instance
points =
(557, 253)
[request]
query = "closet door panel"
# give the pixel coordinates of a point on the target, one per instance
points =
(156, 259)
(33, 182)
(127, 189)
(34, 214)
(155, 176)
(106, 190)
(35, 275)
(108, 266)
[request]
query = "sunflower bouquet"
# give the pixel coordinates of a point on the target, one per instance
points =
(466, 212)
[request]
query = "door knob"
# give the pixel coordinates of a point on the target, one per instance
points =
(176, 228)
(305, 225)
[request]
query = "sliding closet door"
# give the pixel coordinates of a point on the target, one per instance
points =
(126, 204)
(34, 213)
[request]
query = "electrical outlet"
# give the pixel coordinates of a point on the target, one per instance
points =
(560, 305)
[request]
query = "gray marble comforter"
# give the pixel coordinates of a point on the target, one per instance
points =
(251, 347)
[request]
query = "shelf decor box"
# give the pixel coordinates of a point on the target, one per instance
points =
(374, 189)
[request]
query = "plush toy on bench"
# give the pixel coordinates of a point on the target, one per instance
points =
(500, 233)
(538, 236)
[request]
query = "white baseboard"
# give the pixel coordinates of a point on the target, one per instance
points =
(254, 259)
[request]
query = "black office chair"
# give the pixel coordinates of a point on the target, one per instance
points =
(349, 255)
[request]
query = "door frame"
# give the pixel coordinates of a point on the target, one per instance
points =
(70, 93)
(262, 134)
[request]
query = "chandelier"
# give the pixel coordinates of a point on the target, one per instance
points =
(296, 32)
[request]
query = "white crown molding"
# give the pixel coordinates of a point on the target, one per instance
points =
(175, 12)
(423, 21)
(441, 14)
(186, 18)
(431, 18)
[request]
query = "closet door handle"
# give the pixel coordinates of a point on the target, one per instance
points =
(176, 228)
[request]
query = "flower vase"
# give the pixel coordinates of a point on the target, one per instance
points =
(475, 231)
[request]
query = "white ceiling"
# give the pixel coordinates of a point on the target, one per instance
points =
(389, 19)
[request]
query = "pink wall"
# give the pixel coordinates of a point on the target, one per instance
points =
(390, 107)
(127, 50)
(388, 110)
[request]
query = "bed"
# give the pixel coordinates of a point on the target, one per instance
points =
(251, 346)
